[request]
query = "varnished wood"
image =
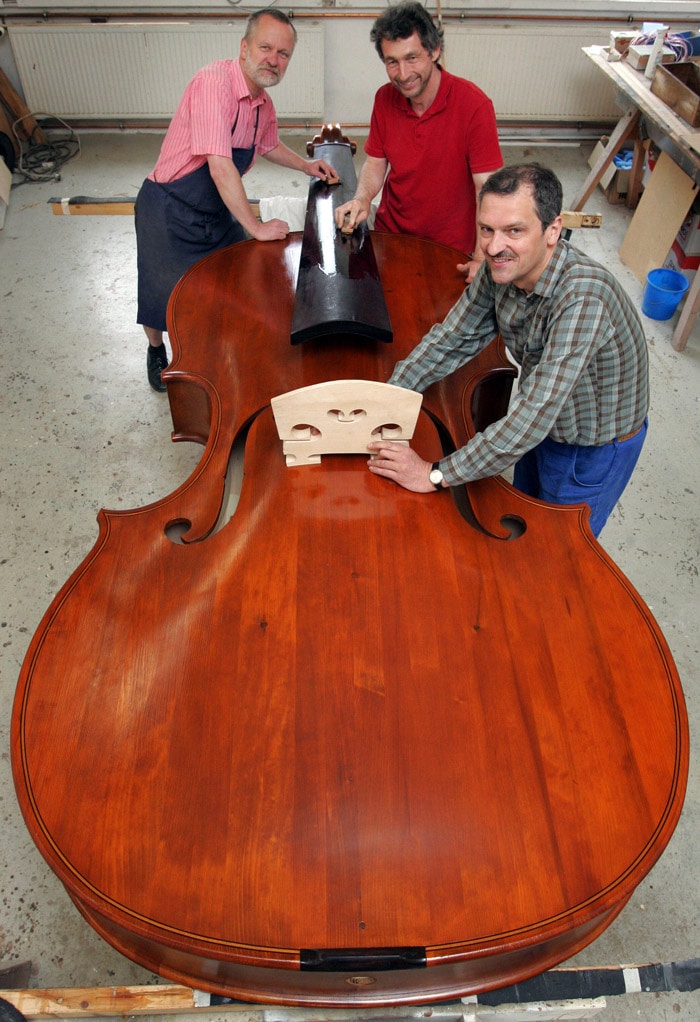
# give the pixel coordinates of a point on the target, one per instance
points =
(330, 134)
(348, 719)
(339, 289)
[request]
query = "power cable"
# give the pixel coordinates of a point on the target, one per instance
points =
(43, 161)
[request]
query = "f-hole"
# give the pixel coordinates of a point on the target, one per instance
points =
(233, 480)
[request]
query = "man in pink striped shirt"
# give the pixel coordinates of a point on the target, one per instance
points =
(194, 202)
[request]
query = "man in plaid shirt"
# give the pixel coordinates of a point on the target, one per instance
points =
(576, 427)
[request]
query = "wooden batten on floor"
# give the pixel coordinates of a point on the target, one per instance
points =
(95, 1002)
(82, 205)
(85, 1002)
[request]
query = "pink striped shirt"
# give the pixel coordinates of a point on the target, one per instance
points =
(202, 123)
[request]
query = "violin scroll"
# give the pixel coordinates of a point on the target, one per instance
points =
(331, 134)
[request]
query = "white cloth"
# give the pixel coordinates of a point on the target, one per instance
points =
(292, 210)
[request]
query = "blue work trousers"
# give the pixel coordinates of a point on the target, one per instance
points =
(571, 474)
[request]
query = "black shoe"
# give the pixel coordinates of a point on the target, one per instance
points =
(156, 362)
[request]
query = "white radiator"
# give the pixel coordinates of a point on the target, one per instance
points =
(535, 71)
(532, 71)
(134, 71)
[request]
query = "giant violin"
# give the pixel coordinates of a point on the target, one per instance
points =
(348, 744)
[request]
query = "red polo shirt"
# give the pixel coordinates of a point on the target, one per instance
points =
(429, 192)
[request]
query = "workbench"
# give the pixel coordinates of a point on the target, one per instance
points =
(647, 116)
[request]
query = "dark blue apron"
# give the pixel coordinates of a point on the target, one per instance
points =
(176, 225)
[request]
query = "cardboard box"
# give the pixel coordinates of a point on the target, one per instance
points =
(5, 186)
(679, 88)
(688, 237)
(614, 181)
(638, 56)
(620, 41)
(685, 264)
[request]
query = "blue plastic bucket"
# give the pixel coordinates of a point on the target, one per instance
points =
(663, 292)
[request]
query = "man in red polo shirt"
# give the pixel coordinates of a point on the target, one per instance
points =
(436, 135)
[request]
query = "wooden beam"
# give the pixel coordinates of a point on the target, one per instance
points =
(168, 1000)
(77, 1002)
(27, 127)
(574, 218)
(84, 205)
(625, 128)
(6, 129)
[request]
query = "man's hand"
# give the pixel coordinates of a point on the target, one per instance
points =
(469, 269)
(323, 171)
(351, 214)
(270, 230)
(402, 465)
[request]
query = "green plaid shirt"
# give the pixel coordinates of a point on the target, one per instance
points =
(581, 348)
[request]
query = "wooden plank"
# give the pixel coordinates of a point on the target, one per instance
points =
(90, 1002)
(84, 205)
(624, 129)
(98, 1001)
(6, 129)
(635, 186)
(688, 316)
(27, 127)
(559, 985)
(575, 218)
(638, 88)
(5, 188)
(661, 211)
(678, 87)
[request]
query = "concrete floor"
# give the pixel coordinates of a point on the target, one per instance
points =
(83, 430)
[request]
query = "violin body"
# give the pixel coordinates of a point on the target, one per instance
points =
(354, 745)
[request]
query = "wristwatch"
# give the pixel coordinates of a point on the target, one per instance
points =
(436, 477)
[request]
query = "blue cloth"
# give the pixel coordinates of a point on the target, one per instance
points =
(574, 474)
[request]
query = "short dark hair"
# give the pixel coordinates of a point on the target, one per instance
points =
(545, 185)
(272, 12)
(400, 21)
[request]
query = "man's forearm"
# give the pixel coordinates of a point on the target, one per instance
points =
(283, 156)
(371, 179)
(230, 187)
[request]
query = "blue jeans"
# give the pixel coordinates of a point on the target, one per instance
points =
(570, 474)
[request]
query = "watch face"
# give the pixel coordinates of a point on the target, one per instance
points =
(435, 477)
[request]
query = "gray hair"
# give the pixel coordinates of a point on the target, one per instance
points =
(271, 12)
